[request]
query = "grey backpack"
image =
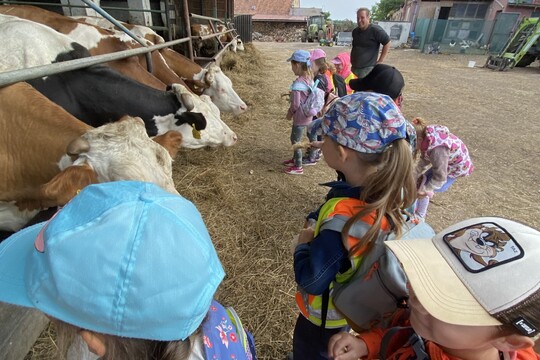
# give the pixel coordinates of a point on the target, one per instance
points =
(379, 285)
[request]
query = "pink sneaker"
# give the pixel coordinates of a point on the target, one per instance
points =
(289, 162)
(294, 170)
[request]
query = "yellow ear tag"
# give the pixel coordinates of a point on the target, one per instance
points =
(196, 133)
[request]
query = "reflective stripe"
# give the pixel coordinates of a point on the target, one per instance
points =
(337, 223)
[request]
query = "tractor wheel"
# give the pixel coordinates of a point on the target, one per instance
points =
(526, 60)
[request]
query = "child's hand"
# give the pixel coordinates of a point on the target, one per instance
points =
(423, 194)
(316, 144)
(344, 346)
(305, 235)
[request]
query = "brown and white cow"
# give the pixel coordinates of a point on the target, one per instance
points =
(236, 43)
(101, 41)
(207, 47)
(212, 82)
(36, 172)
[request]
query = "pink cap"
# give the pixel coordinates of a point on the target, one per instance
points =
(336, 61)
(317, 54)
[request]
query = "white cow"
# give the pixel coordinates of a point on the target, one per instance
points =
(216, 132)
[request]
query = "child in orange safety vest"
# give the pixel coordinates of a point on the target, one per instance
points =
(367, 138)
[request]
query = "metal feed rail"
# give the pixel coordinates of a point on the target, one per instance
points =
(10, 77)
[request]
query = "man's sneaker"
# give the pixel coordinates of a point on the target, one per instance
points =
(307, 162)
(289, 162)
(294, 170)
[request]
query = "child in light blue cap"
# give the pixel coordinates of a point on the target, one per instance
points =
(299, 91)
(367, 139)
(131, 270)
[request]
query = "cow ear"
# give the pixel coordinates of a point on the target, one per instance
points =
(60, 189)
(195, 119)
(171, 141)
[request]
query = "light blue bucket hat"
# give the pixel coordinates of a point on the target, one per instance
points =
(366, 122)
(121, 258)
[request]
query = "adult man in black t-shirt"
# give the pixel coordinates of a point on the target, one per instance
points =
(367, 39)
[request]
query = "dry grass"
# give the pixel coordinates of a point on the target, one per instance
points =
(252, 210)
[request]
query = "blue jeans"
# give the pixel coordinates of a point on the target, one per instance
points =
(297, 133)
(310, 342)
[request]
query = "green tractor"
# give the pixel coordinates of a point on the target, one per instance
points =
(522, 49)
(318, 29)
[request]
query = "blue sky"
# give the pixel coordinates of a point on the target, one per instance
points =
(339, 9)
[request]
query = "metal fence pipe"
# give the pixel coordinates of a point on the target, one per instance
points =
(197, 16)
(10, 77)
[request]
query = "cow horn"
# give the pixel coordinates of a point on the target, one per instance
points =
(187, 101)
(77, 147)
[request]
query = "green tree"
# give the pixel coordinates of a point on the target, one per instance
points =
(384, 8)
(326, 15)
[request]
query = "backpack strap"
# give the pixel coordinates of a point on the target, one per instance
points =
(414, 342)
(239, 327)
(324, 311)
(299, 86)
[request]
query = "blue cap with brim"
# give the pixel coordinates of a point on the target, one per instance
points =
(365, 122)
(121, 258)
(302, 56)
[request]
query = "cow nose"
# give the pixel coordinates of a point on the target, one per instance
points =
(235, 138)
(243, 107)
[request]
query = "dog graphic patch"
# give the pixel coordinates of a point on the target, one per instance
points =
(482, 246)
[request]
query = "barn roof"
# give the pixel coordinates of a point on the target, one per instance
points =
(274, 10)
(267, 7)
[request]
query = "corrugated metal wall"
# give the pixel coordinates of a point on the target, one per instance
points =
(244, 27)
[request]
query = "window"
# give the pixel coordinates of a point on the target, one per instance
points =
(468, 11)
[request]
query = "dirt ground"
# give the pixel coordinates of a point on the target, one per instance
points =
(253, 210)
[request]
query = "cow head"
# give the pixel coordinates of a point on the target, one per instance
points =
(120, 150)
(239, 44)
(221, 91)
(216, 132)
(117, 151)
